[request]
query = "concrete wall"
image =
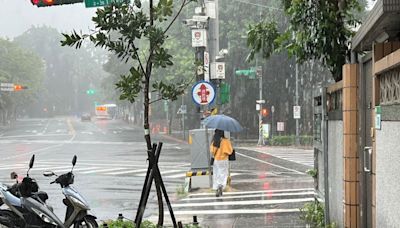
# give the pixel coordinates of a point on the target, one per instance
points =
(387, 174)
(335, 154)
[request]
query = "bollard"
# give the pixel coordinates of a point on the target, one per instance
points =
(120, 217)
(180, 224)
(195, 220)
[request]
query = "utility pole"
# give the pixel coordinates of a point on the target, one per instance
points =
(297, 103)
(260, 82)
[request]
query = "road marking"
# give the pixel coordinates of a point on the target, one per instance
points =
(45, 128)
(75, 170)
(162, 172)
(183, 174)
(278, 166)
(249, 192)
(102, 170)
(36, 135)
(67, 141)
(242, 202)
(128, 171)
(252, 196)
(32, 152)
(71, 129)
(49, 168)
(303, 157)
(13, 167)
(238, 211)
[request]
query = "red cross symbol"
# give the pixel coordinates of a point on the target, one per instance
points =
(203, 94)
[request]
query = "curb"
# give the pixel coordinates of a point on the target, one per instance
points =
(173, 138)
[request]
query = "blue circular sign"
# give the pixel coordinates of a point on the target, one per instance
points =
(203, 93)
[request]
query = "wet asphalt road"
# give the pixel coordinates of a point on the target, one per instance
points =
(268, 184)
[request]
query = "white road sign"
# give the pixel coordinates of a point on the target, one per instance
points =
(218, 70)
(280, 126)
(206, 67)
(199, 38)
(296, 112)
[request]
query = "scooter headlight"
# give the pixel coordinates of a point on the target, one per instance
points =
(44, 217)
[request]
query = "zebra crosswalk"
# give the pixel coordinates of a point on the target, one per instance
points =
(300, 156)
(167, 169)
(281, 203)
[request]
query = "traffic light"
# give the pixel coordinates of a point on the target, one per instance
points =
(44, 3)
(19, 87)
(90, 91)
(264, 112)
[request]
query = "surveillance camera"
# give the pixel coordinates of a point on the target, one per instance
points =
(188, 22)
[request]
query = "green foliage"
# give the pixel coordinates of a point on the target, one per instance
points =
(19, 66)
(130, 224)
(262, 37)
(289, 140)
(127, 224)
(180, 191)
(313, 213)
(319, 30)
(120, 28)
(312, 172)
(68, 72)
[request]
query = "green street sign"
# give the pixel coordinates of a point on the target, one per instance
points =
(97, 3)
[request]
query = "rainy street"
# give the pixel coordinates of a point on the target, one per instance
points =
(268, 187)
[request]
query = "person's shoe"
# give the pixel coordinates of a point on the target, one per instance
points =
(219, 190)
(217, 193)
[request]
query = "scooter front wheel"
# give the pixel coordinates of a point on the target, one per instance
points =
(87, 222)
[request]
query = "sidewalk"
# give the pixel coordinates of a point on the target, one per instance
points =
(297, 155)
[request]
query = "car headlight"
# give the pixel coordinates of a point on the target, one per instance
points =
(79, 203)
(44, 217)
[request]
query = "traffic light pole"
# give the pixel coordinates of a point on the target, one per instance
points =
(297, 103)
(260, 129)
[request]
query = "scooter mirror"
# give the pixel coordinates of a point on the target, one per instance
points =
(32, 161)
(74, 160)
(13, 175)
(48, 173)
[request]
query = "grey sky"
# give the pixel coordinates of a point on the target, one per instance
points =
(16, 16)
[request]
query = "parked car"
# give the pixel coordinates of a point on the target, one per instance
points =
(85, 117)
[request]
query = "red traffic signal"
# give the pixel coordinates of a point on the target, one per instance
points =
(264, 112)
(44, 3)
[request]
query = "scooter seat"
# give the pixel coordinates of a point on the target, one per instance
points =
(41, 195)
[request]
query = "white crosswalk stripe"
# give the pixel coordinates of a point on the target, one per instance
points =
(300, 156)
(168, 169)
(277, 201)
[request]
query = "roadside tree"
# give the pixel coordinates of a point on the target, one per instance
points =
(123, 29)
(18, 66)
(320, 30)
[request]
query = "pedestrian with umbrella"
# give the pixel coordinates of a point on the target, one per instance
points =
(221, 148)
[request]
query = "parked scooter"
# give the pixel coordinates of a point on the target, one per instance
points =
(77, 207)
(26, 205)
(28, 208)
(9, 197)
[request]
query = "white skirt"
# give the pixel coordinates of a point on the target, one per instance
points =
(220, 173)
